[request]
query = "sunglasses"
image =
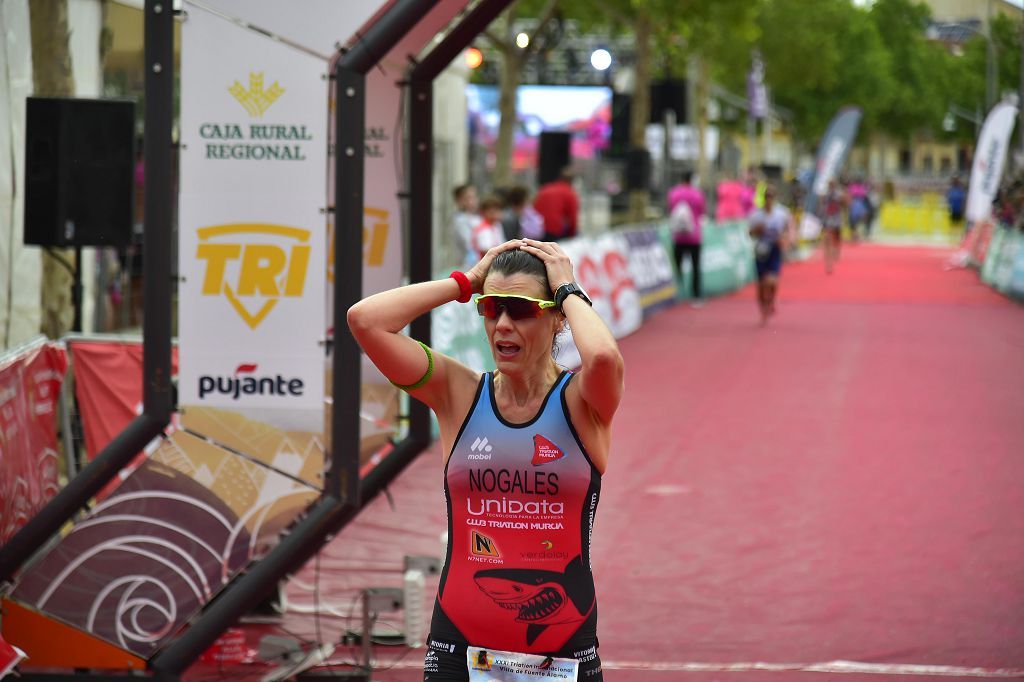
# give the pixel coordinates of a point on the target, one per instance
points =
(517, 307)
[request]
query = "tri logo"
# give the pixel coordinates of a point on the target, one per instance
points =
(261, 262)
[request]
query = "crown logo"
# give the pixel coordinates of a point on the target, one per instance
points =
(255, 99)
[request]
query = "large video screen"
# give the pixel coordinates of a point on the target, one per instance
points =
(584, 111)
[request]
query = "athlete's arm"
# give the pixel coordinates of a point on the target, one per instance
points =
(377, 322)
(601, 375)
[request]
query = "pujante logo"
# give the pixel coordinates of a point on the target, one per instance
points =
(246, 381)
(262, 272)
(255, 99)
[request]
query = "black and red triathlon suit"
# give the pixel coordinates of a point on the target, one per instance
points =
(521, 505)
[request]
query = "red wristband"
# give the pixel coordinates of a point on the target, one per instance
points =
(465, 288)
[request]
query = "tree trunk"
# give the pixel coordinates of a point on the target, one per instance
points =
(701, 108)
(511, 68)
(52, 77)
(640, 109)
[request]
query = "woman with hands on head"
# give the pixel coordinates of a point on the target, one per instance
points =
(524, 448)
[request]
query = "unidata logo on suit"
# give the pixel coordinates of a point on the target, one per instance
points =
(254, 266)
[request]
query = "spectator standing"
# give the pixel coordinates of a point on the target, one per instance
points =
(559, 206)
(730, 201)
(488, 232)
(956, 200)
(465, 219)
(686, 226)
(859, 211)
(521, 219)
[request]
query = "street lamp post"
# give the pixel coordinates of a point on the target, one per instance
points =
(954, 111)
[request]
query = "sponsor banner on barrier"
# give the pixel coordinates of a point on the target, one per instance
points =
(602, 268)
(727, 259)
(30, 383)
(650, 265)
(108, 386)
(1006, 257)
(995, 246)
(979, 248)
(1017, 275)
(252, 228)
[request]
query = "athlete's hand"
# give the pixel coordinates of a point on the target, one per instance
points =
(556, 261)
(478, 273)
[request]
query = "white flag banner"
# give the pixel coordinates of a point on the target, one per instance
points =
(252, 228)
(989, 160)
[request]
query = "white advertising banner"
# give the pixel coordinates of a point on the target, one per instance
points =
(989, 160)
(601, 266)
(316, 25)
(384, 164)
(252, 227)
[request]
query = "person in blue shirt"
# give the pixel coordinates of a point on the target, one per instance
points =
(956, 199)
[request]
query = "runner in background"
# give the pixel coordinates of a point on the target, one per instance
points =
(831, 224)
(772, 227)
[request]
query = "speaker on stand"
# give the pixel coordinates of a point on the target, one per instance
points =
(79, 177)
(553, 157)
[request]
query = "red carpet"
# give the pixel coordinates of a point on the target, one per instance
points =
(847, 483)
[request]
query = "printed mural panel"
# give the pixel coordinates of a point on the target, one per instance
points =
(152, 554)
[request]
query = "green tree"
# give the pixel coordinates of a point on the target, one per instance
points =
(822, 56)
(502, 35)
(666, 34)
(919, 67)
(52, 77)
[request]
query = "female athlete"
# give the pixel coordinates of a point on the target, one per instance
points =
(524, 447)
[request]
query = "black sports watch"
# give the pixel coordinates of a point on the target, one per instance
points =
(570, 289)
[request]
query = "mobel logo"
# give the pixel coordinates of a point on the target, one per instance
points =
(255, 99)
(237, 266)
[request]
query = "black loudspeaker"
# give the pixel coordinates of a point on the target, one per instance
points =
(553, 157)
(638, 168)
(619, 142)
(668, 94)
(79, 172)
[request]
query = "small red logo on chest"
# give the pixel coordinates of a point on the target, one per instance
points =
(545, 451)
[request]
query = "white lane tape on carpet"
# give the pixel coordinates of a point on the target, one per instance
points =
(833, 667)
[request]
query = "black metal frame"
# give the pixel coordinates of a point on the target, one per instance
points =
(344, 493)
(157, 389)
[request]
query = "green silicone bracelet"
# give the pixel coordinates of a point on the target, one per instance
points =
(426, 376)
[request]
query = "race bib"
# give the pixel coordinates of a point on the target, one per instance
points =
(487, 665)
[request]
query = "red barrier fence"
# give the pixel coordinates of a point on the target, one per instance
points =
(30, 382)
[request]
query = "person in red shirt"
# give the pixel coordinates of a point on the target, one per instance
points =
(558, 204)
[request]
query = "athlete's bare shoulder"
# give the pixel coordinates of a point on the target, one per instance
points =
(595, 433)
